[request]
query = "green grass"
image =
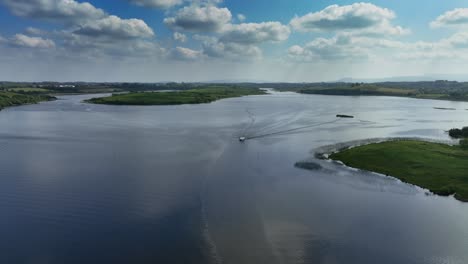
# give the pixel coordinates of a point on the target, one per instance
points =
(440, 168)
(14, 99)
(194, 96)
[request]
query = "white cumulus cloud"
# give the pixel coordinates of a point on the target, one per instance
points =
(231, 51)
(181, 53)
(116, 28)
(21, 40)
(35, 31)
(196, 18)
(456, 17)
(66, 11)
(241, 17)
(163, 4)
(179, 37)
(365, 17)
(252, 33)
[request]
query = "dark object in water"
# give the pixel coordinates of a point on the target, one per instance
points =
(307, 165)
(344, 116)
(242, 139)
(444, 108)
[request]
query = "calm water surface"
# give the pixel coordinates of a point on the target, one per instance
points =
(83, 183)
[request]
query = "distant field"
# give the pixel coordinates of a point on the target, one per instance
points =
(194, 96)
(13, 99)
(360, 90)
(379, 90)
(437, 167)
(28, 90)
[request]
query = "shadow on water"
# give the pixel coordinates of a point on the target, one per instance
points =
(175, 233)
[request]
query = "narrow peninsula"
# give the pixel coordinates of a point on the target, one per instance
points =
(438, 167)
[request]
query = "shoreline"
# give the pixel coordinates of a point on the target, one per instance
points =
(52, 98)
(325, 152)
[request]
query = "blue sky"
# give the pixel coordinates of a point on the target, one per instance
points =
(201, 40)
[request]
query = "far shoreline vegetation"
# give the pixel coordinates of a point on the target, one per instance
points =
(438, 90)
(440, 168)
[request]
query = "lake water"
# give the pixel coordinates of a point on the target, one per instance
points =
(83, 183)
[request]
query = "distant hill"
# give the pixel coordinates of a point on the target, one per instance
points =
(421, 78)
(237, 81)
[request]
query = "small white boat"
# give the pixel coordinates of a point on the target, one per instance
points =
(242, 139)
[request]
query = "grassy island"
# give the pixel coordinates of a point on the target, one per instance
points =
(193, 96)
(14, 99)
(443, 169)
